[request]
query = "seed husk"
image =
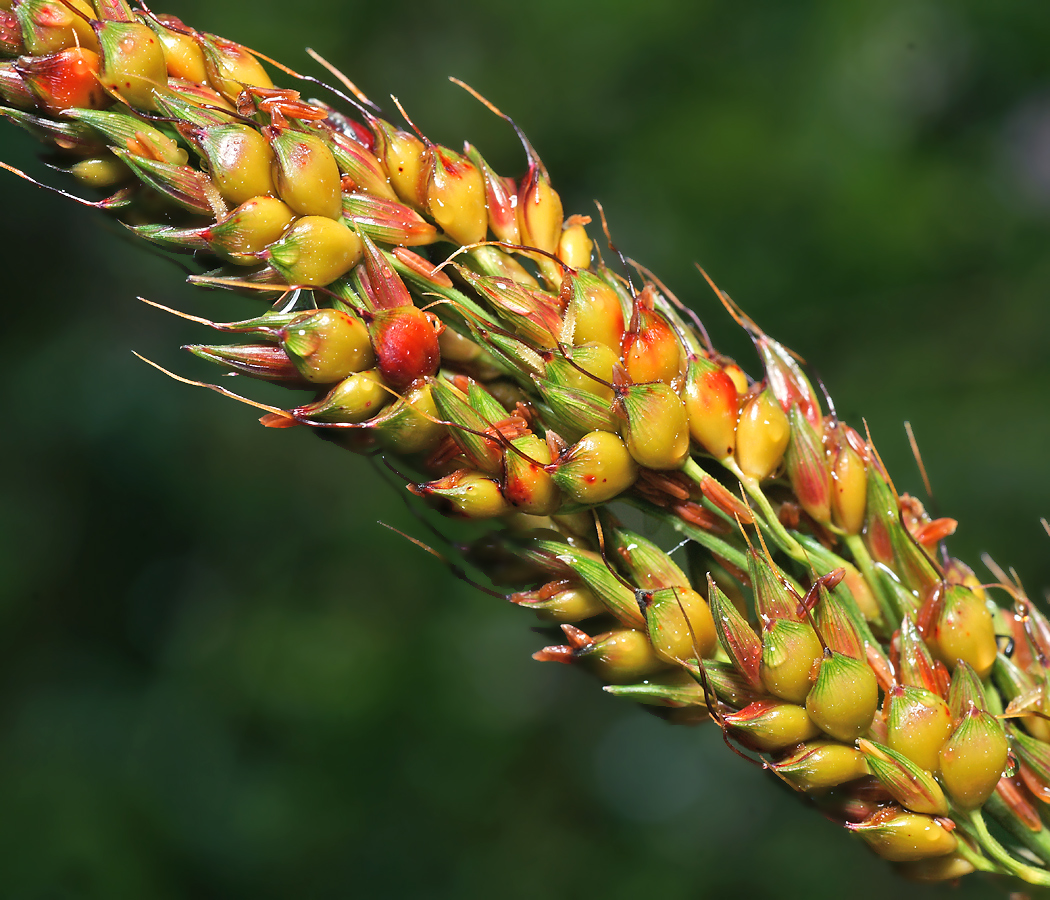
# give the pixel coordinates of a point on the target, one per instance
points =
(306, 175)
(789, 651)
(919, 723)
(132, 62)
(762, 435)
(973, 759)
(844, 697)
(316, 250)
(769, 726)
(817, 765)
(712, 405)
(240, 161)
(679, 623)
(327, 345)
(357, 398)
(655, 427)
(911, 786)
(596, 468)
(902, 836)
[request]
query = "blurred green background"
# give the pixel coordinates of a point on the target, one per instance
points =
(222, 679)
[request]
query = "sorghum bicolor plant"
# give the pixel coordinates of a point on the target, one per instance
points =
(455, 321)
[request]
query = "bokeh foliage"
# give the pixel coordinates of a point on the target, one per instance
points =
(220, 678)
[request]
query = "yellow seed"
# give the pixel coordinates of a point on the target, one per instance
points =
(470, 494)
(597, 313)
(455, 197)
(540, 215)
(328, 345)
(594, 359)
(965, 631)
(527, 484)
(575, 247)
(683, 626)
(651, 351)
(316, 251)
(768, 726)
(250, 228)
(559, 601)
(306, 175)
(101, 172)
(48, 27)
(405, 158)
(182, 54)
(240, 162)
(849, 489)
(456, 348)
(789, 650)
(822, 764)
(231, 68)
(132, 63)
(919, 723)
(762, 434)
(621, 657)
(355, 399)
(844, 698)
(862, 594)
(713, 407)
(737, 375)
(412, 424)
(901, 836)
(656, 428)
(973, 759)
(596, 468)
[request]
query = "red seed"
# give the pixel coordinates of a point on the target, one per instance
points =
(405, 340)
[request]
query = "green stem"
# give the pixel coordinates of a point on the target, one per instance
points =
(999, 853)
(712, 542)
(1036, 841)
(772, 524)
(975, 858)
(862, 558)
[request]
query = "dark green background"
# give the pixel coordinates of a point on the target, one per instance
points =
(220, 678)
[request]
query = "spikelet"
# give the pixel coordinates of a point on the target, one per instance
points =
(455, 320)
